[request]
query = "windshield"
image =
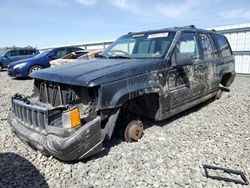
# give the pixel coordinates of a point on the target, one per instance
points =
(144, 45)
(43, 53)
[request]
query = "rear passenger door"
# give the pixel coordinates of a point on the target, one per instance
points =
(23, 54)
(225, 62)
(209, 57)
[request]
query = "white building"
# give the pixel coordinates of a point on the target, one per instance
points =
(239, 39)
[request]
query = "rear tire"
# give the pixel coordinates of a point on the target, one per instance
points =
(35, 68)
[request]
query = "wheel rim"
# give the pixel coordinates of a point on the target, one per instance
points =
(36, 68)
(133, 131)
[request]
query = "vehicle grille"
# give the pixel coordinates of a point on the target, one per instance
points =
(56, 94)
(32, 116)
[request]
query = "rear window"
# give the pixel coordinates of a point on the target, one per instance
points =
(223, 46)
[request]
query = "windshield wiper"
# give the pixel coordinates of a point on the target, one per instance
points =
(120, 57)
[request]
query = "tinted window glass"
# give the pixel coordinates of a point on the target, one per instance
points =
(23, 52)
(31, 52)
(11, 53)
(206, 46)
(224, 48)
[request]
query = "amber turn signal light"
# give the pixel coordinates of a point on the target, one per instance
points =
(71, 118)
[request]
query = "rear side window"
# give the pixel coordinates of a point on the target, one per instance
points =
(22, 52)
(223, 46)
(31, 52)
(206, 46)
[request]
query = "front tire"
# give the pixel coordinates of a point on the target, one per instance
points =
(35, 68)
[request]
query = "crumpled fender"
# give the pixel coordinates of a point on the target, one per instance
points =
(115, 94)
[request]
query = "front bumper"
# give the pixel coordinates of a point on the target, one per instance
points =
(82, 143)
(15, 73)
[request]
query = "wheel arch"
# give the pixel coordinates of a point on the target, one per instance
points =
(31, 66)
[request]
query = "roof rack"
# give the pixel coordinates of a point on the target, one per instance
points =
(190, 26)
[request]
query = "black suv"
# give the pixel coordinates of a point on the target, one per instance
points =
(152, 74)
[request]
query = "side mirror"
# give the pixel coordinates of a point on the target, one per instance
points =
(183, 59)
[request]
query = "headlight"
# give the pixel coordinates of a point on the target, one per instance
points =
(71, 118)
(19, 65)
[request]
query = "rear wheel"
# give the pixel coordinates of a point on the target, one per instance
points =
(133, 131)
(35, 68)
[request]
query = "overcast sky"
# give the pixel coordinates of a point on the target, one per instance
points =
(44, 23)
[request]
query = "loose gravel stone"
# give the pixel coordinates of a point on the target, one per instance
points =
(170, 154)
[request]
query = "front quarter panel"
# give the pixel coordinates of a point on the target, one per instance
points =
(115, 94)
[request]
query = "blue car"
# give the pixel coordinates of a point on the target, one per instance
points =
(23, 68)
(8, 56)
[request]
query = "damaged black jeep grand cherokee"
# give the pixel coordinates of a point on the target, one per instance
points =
(152, 74)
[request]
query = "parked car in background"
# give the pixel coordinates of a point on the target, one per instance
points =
(92, 54)
(71, 57)
(8, 56)
(23, 68)
(75, 56)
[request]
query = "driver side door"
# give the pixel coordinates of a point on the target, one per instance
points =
(183, 75)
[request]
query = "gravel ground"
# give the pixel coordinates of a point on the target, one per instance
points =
(170, 154)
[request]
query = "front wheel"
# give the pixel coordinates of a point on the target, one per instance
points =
(133, 131)
(35, 68)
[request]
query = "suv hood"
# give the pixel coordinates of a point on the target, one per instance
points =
(97, 71)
